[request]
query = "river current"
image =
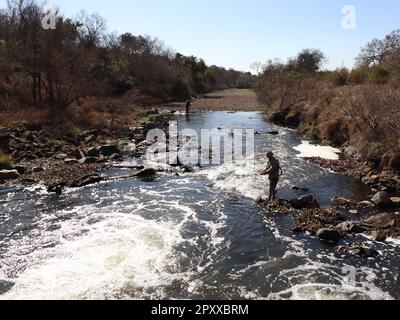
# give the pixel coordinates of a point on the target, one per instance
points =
(199, 235)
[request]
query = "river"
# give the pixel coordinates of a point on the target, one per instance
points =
(195, 236)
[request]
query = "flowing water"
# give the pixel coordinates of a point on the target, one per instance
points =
(194, 236)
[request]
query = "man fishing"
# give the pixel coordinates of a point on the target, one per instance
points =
(274, 171)
(188, 105)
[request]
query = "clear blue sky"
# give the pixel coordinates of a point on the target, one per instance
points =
(236, 33)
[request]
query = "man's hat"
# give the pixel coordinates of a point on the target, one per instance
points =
(270, 154)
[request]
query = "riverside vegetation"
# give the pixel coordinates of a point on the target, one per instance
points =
(356, 110)
(75, 97)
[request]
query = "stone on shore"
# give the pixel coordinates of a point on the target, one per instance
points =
(305, 202)
(366, 204)
(108, 150)
(380, 221)
(395, 201)
(343, 203)
(9, 175)
(382, 199)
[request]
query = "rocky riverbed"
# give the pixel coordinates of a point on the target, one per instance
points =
(41, 153)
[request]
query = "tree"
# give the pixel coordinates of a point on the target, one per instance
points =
(377, 51)
(309, 60)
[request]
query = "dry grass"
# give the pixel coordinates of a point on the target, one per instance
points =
(29, 115)
(228, 100)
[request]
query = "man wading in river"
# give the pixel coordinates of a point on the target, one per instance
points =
(188, 105)
(274, 171)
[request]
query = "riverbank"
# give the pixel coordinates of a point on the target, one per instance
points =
(58, 156)
(377, 217)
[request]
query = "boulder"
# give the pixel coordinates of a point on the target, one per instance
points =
(379, 236)
(380, 221)
(305, 202)
(144, 173)
(366, 204)
(342, 202)
(350, 227)
(56, 188)
(382, 199)
(395, 201)
(108, 150)
(93, 152)
(329, 235)
(9, 174)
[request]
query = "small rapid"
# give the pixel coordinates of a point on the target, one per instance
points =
(199, 235)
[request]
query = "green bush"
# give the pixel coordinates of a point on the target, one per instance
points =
(5, 162)
(358, 76)
(378, 75)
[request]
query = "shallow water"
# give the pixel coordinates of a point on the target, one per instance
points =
(196, 236)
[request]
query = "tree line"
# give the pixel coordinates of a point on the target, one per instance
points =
(358, 107)
(54, 69)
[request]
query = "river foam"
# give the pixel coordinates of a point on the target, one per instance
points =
(308, 150)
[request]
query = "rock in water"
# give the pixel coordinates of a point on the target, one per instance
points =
(379, 236)
(350, 227)
(305, 202)
(380, 221)
(382, 199)
(9, 174)
(329, 236)
(359, 250)
(145, 173)
(108, 150)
